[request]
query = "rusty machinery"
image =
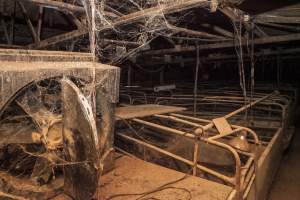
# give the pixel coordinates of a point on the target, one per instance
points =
(56, 112)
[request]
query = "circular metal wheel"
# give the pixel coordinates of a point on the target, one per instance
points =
(43, 154)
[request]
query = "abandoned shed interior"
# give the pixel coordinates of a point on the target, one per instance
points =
(149, 99)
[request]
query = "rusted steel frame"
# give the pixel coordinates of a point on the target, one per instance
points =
(233, 101)
(249, 105)
(239, 178)
(158, 99)
(227, 134)
(178, 120)
(237, 128)
(164, 128)
(252, 157)
(237, 175)
(243, 108)
(144, 96)
(211, 96)
(240, 100)
(192, 136)
(133, 97)
(283, 112)
(204, 98)
(248, 170)
(197, 138)
(282, 107)
(250, 173)
(205, 169)
(128, 96)
(254, 135)
(247, 189)
(191, 118)
(249, 161)
(196, 155)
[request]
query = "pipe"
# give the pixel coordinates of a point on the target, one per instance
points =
(243, 108)
(237, 182)
(205, 169)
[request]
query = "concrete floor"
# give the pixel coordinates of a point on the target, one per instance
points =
(287, 182)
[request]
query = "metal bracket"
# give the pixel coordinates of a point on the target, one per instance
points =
(222, 125)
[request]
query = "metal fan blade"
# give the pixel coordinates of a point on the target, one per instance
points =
(80, 144)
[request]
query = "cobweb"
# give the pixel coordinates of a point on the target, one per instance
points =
(32, 154)
(115, 42)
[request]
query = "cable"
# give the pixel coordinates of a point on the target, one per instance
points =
(196, 81)
(252, 67)
(158, 189)
(239, 52)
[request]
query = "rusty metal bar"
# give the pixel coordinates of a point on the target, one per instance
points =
(164, 128)
(237, 182)
(210, 125)
(237, 128)
(205, 169)
(178, 120)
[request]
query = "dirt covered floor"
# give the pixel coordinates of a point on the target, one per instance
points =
(287, 181)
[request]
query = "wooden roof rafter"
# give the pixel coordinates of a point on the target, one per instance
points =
(122, 20)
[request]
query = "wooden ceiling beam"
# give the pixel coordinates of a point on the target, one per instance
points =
(218, 29)
(229, 12)
(258, 41)
(280, 26)
(29, 23)
(57, 5)
(277, 19)
(193, 32)
(57, 39)
(156, 10)
(125, 19)
(221, 57)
